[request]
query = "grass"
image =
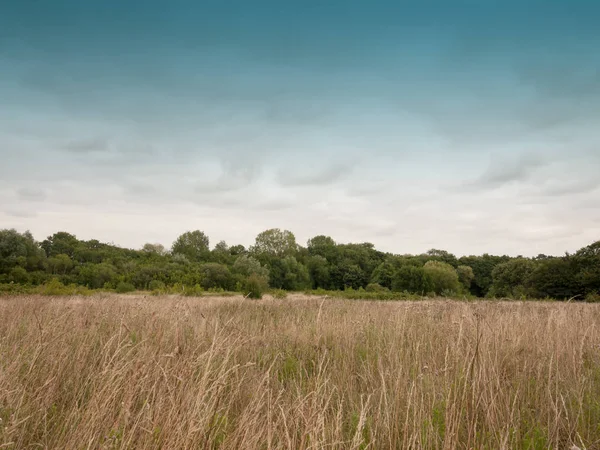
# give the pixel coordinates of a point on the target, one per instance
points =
(135, 371)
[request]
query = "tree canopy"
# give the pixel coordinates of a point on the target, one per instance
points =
(278, 261)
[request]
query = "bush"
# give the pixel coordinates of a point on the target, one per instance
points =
(55, 287)
(123, 287)
(278, 293)
(376, 287)
(592, 297)
(254, 286)
(156, 285)
(19, 275)
(442, 277)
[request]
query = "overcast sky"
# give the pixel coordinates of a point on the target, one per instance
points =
(471, 126)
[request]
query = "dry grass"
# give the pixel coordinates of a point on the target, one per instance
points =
(160, 372)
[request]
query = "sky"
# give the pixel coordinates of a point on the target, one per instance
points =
(466, 125)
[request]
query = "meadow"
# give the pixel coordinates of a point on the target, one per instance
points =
(136, 371)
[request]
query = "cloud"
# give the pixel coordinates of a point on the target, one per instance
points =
(313, 175)
(92, 145)
(504, 170)
(31, 194)
(19, 213)
(570, 187)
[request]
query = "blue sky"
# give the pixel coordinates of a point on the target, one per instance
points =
(465, 125)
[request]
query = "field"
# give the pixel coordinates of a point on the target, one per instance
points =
(112, 371)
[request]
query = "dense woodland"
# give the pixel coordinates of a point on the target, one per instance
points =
(277, 261)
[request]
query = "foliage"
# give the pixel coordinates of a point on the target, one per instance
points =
(275, 243)
(123, 287)
(512, 278)
(465, 276)
(254, 286)
(193, 245)
(156, 285)
(442, 277)
(191, 268)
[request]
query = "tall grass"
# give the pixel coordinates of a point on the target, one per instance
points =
(112, 371)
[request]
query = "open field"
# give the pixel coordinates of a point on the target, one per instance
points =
(112, 371)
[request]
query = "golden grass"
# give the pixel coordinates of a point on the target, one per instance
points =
(165, 372)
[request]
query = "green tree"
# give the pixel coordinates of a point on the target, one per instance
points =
(96, 276)
(275, 243)
(59, 264)
(193, 245)
(587, 261)
(216, 275)
(465, 276)
(483, 267)
(21, 250)
(555, 278)
(60, 243)
(289, 274)
(247, 265)
(411, 278)
(318, 269)
(512, 278)
(154, 249)
(442, 276)
(221, 253)
(323, 246)
(443, 256)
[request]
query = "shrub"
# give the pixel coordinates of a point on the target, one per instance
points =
(254, 286)
(156, 285)
(19, 275)
(55, 287)
(376, 287)
(278, 293)
(442, 276)
(123, 287)
(592, 297)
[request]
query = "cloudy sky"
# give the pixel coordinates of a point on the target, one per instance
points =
(466, 125)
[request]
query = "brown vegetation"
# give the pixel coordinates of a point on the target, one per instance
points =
(167, 372)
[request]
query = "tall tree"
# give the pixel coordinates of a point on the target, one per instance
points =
(193, 245)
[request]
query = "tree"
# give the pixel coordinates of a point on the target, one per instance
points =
(482, 269)
(318, 269)
(323, 246)
(287, 273)
(221, 253)
(60, 243)
(443, 256)
(216, 276)
(384, 274)
(96, 276)
(556, 278)
(587, 261)
(193, 245)
(512, 278)
(410, 278)
(154, 249)
(59, 264)
(247, 265)
(442, 276)
(275, 243)
(465, 276)
(21, 250)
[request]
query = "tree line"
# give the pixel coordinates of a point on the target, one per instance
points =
(277, 261)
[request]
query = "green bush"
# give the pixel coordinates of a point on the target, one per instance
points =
(278, 293)
(156, 285)
(55, 287)
(254, 286)
(376, 287)
(592, 297)
(124, 287)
